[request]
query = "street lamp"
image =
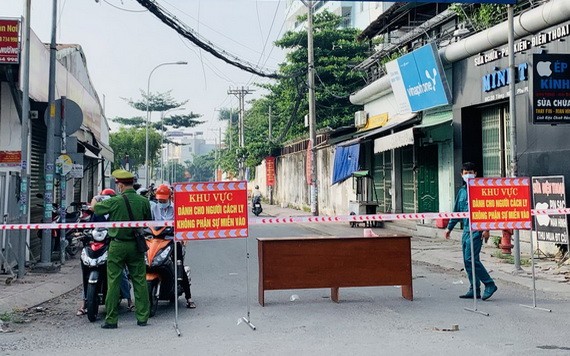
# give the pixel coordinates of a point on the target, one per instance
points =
(147, 170)
(162, 115)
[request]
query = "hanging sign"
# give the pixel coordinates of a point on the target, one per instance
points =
(212, 210)
(10, 158)
(551, 74)
(499, 203)
(549, 193)
(9, 41)
(270, 171)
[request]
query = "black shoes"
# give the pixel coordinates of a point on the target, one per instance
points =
(469, 294)
(142, 323)
(489, 291)
(108, 326)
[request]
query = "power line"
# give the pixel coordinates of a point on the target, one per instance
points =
(122, 8)
(190, 34)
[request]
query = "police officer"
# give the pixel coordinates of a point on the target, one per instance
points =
(123, 250)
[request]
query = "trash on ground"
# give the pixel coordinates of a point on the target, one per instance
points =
(454, 327)
(294, 297)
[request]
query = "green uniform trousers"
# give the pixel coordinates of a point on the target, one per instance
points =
(123, 253)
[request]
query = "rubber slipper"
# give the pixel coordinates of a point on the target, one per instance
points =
(190, 305)
(81, 311)
(131, 308)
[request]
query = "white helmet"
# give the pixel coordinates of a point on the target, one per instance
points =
(99, 234)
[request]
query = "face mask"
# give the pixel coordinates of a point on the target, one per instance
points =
(468, 176)
(164, 205)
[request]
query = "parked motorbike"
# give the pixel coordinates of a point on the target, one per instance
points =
(160, 275)
(94, 267)
(73, 237)
(256, 205)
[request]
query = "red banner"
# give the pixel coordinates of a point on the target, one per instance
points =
(10, 158)
(270, 171)
(214, 210)
(499, 203)
(9, 41)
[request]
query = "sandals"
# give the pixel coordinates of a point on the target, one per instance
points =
(190, 304)
(81, 312)
(131, 308)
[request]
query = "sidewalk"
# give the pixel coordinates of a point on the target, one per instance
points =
(428, 247)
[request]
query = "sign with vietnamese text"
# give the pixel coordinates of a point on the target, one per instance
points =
(210, 210)
(550, 193)
(10, 158)
(499, 203)
(551, 89)
(270, 171)
(419, 75)
(9, 41)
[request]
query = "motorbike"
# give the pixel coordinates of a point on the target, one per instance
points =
(73, 237)
(256, 205)
(159, 260)
(94, 267)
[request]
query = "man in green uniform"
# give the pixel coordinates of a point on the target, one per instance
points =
(123, 250)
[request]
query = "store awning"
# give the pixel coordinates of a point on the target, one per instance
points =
(396, 140)
(106, 152)
(435, 119)
(395, 122)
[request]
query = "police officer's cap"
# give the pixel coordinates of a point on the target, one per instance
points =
(122, 176)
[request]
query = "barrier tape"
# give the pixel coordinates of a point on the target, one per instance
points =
(264, 221)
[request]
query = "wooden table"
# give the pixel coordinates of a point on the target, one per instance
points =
(334, 262)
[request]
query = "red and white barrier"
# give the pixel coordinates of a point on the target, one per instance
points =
(265, 221)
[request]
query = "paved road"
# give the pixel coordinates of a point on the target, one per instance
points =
(368, 321)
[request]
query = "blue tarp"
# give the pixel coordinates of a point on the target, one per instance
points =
(345, 162)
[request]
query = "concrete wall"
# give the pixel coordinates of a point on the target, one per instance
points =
(291, 187)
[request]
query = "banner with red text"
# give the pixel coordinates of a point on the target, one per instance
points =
(499, 203)
(210, 210)
(270, 171)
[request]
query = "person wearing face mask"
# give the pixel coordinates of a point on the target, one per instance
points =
(123, 249)
(163, 210)
(468, 171)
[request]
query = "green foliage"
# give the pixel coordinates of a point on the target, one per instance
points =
(202, 168)
(336, 51)
(137, 121)
(132, 142)
(156, 102)
(481, 16)
(176, 172)
(507, 258)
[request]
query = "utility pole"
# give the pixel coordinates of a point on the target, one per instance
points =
(269, 133)
(241, 93)
(25, 163)
(49, 164)
(513, 124)
(312, 115)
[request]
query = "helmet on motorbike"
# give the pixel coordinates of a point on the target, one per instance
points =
(162, 192)
(142, 191)
(108, 191)
(257, 187)
(99, 234)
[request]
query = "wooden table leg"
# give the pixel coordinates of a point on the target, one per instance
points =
(334, 294)
(261, 296)
(408, 292)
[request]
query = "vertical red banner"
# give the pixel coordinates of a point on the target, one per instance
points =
(270, 171)
(500, 203)
(210, 210)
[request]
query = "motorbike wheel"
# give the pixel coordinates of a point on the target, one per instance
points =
(72, 250)
(92, 302)
(153, 296)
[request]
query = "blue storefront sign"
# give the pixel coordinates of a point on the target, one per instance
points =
(419, 77)
(551, 89)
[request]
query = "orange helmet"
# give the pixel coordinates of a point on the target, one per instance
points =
(108, 191)
(162, 192)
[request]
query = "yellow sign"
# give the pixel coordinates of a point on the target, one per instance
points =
(376, 121)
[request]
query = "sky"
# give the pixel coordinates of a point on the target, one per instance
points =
(123, 42)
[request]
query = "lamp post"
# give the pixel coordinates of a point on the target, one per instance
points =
(162, 115)
(147, 170)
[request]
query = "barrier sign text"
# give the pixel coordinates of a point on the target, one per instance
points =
(549, 193)
(210, 210)
(499, 203)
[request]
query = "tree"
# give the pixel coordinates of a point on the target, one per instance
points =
(131, 142)
(336, 52)
(202, 168)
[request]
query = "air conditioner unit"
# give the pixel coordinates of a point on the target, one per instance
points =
(360, 118)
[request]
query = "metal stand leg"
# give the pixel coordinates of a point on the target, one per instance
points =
(176, 290)
(247, 319)
(533, 281)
